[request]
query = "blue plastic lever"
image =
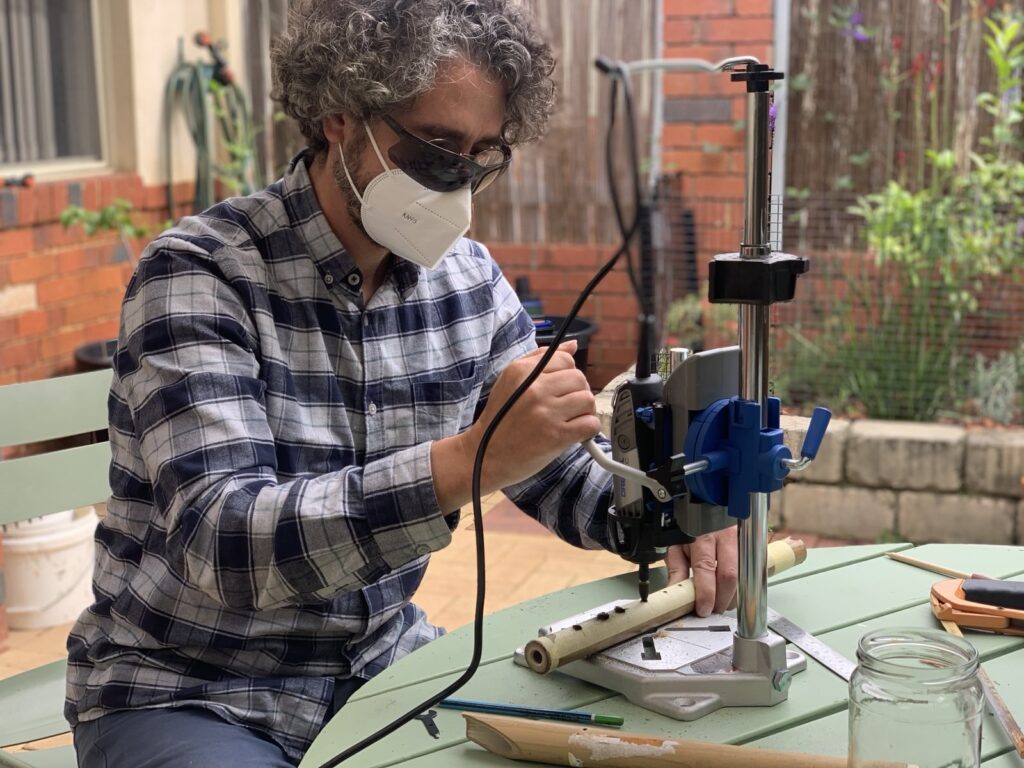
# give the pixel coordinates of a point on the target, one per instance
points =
(815, 432)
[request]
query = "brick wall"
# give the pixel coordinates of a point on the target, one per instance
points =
(705, 114)
(703, 140)
(59, 288)
(557, 273)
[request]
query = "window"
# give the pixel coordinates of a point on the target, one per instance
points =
(49, 100)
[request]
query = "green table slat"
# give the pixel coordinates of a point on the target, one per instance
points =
(521, 622)
(828, 735)
(881, 596)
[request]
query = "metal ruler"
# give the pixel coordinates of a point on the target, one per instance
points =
(811, 645)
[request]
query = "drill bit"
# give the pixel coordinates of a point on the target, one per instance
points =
(644, 577)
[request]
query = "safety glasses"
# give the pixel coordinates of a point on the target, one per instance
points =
(439, 166)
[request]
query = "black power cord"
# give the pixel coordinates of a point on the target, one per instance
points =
(618, 72)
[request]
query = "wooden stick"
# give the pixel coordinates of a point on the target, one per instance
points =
(999, 708)
(583, 746)
(940, 569)
(549, 652)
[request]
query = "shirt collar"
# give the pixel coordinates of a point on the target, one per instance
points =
(324, 248)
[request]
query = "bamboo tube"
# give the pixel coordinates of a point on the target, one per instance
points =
(549, 652)
(582, 746)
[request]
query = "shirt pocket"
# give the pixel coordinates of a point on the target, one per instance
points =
(444, 407)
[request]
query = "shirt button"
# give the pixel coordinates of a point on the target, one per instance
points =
(373, 409)
(329, 279)
(354, 279)
(422, 549)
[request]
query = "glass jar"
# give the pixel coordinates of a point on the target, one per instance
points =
(915, 697)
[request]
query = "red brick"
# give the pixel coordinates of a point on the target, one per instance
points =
(103, 329)
(720, 186)
(551, 279)
(90, 193)
(103, 279)
(617, 281)
(698, 8)
(750, 29)
(15, 241)
(94, 308)
(698, 84)
(616, 329)
(33, 323)
(679, 31)
(694, 160)
(18, 355)
(678, 135)
(106, 191)
(55, 235)
(754, 7)
(31, 268)
(59, 200)
(567, 255)
(25, 199)
(70, 260)
(59, 290)
(717, 133)
(513, 255)
(619, 307)
(62, 343)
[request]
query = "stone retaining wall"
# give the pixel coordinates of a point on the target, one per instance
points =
(877, 480)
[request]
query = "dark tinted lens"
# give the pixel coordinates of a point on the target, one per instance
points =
(430, 166)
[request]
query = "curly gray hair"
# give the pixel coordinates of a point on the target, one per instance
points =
(365, 57)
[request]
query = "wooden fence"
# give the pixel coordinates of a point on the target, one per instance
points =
(873, 84)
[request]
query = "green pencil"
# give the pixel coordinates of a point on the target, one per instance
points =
(514, 710)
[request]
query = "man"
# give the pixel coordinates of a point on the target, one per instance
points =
(301, 382)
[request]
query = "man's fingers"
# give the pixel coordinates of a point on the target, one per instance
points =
(566, 382)
(704, 564)
(565, 346)
(727, 572)
(677, 563)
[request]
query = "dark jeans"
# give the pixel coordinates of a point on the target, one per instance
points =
(187, 736)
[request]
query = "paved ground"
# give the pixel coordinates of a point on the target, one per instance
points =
(524, 560)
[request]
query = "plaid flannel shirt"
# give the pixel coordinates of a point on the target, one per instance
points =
(273, 508)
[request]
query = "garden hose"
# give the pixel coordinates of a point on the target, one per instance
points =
(211, 101)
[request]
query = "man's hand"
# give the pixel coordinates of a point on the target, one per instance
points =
(713, 558)
(556, 411)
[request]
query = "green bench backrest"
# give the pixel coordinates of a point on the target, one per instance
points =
(38, 411)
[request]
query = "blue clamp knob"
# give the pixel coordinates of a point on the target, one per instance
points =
(815, 432)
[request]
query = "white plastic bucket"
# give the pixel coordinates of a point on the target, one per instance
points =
(48, 568)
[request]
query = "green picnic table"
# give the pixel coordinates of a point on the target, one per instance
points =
(838, 594)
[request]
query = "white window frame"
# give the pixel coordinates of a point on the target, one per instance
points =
(71, 167)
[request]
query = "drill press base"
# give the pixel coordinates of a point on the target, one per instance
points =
(684, 669)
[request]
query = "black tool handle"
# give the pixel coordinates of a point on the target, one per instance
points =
(1005, 594)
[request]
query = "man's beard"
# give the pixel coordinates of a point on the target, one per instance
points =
(353, 152)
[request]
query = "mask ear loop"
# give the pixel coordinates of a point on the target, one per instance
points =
(376, 151)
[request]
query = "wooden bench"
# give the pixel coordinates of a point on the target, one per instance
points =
(32, 702)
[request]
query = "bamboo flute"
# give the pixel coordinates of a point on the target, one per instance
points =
(548, 652)
(582, 746)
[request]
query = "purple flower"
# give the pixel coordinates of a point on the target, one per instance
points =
(772, 112)
(855, 28)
